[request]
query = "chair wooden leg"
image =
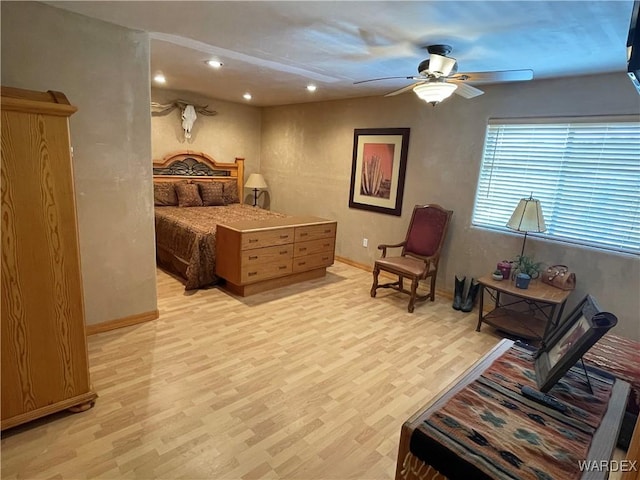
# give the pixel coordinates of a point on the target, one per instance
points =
(432, 294)
(374, 287)
(412, 299)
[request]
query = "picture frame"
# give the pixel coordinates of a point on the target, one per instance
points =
(378, 169)
(583, 327)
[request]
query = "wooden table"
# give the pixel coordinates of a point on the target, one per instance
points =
(544, 307)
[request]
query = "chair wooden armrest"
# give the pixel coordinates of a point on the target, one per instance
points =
(384, 247)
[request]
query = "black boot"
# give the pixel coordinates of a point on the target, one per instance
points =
(458, 293)
(471, 296)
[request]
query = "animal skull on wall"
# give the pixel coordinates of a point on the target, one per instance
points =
(188, 118)
(188, 113)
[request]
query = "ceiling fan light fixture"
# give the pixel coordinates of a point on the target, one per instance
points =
(434, 92)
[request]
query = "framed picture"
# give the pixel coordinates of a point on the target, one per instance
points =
(570, 341)
(378, 169)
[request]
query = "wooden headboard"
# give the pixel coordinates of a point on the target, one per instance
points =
(198, 166)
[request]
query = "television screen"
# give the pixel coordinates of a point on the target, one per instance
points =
(633, 47)
(582, 328)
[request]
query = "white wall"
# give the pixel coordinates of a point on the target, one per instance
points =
(307, 158)
(104, 71)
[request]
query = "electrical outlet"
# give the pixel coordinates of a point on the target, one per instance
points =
(365, 242)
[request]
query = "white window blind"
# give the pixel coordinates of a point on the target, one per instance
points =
(585, 172)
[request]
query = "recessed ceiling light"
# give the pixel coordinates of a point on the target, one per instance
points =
(247, 96)
(311, 88)
(159, 78)
(214, 63)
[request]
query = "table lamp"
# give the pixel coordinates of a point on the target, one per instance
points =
(527, 217)
(256, 181)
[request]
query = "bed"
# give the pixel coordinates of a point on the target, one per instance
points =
(193, 194)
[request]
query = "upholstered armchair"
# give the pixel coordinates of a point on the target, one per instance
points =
(420, 254)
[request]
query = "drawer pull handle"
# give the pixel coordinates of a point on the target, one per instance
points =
(328, 230)
(253, 240)
(326, 245)
(302, 249)
(325, 258)
(301, 263)
(284, 236)
(283, 252)
(304, 234)
(251, 274)
(282, 267)
(253, 257)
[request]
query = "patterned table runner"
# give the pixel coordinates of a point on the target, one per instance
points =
(489, 430)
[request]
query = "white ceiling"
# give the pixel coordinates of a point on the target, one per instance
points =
(274, 49)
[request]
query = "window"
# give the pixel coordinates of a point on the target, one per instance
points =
(584, 171)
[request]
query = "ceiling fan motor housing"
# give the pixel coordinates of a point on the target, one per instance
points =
(423, 68)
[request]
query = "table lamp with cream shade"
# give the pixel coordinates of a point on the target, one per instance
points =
(256, 182)
(527, 217)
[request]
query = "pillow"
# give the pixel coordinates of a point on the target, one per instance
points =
(230, 192)
(164, 194)
(188, 195)
(211, 194)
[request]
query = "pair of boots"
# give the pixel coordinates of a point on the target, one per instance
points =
(469, 302)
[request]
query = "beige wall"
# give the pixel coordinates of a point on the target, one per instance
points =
(304, 151)
(233, 132)
(104, 71)
(306, 158)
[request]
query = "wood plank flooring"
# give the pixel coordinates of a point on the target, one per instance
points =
(311, 381)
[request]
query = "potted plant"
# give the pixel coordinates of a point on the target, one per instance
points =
(525, 269)
(497, 275)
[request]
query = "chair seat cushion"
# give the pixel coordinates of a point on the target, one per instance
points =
(408, 265)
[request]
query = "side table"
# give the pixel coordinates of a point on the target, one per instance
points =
(544, 307)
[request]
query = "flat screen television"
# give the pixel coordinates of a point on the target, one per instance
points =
(633, 47)
(570, 341)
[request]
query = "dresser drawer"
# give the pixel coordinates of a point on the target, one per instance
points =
(311, 247)
(264, 271)
(313, 232)
(311, 262)
(260, 256)
(266, 238)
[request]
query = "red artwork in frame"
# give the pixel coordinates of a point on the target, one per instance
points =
(378, 169)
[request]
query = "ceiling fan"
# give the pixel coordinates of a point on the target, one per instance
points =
(438, 77)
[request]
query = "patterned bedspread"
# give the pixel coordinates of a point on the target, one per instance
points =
(621, 357)
(489, 430)
(186, 238)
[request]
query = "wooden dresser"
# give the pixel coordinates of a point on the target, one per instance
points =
(258, 255)
(45, 367)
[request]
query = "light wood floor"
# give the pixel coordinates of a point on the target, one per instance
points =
(311, 381)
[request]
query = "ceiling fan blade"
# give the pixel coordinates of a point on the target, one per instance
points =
(500, 76)
(441, 66)
(466, 91)
(403, 89)
(385, 78)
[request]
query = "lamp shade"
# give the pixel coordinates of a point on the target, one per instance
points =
(527, 217)
(256, 180)
(434, 92)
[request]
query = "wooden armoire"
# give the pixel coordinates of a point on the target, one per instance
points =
(44, 367)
